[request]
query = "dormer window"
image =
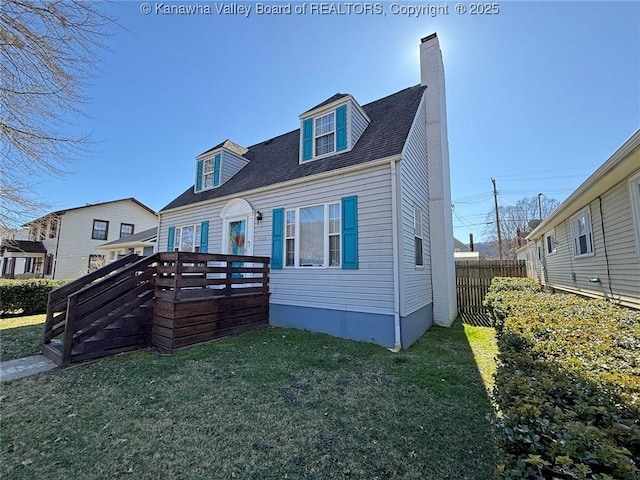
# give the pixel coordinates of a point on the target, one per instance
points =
(218, 164)
(325, 134)
(211, 172)
(332, 127)
(208, 173)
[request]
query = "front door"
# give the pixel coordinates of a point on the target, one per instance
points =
(237, 237)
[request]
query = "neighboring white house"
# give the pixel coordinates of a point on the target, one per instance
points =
(354, 209)
(590, 245)
(65, 244)
(142, 243)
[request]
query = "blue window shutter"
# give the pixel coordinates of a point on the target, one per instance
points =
(350, 233)
(172, 235)
(216, 170)
(204, 237)
(307, 139)
(199, 176)
(341, 128)
(277, 245)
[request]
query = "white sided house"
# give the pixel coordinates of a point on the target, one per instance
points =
(590, 245)
(66, 244)
(353, 208)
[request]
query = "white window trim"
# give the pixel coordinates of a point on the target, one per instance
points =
(211, 157)
(417, 214)
(634, 194)
(550, 234)
(177, 239)
(296, 242)
(574, 233)
(316, 137)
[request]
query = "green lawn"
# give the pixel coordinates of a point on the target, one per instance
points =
(20, 336)
(272, 403)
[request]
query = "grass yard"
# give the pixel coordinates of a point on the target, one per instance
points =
(20, 336)
(272, 403)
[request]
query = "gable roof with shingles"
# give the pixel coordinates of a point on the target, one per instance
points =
(277, 160)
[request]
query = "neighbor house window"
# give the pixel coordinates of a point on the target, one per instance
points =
(187, 238)
(634, 189)
(550, 242)
(126, 229)
(582, 233)
(313, 236)
(417, 234)
(100, 230)
(96, 262)
(324, 134)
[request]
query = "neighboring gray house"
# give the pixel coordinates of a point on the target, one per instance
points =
(590, 244)
(65, 244)
(354, 209)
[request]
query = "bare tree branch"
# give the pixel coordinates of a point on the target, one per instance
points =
(48, 52)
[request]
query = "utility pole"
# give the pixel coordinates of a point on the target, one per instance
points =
(540, 206)
(495, 200)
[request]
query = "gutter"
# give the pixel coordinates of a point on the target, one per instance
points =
(396, 266)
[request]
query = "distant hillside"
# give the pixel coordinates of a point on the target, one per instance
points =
(487, 249)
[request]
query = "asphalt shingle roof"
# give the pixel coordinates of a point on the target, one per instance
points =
(277, 160)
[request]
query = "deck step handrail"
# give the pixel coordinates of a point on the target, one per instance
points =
(58, 298)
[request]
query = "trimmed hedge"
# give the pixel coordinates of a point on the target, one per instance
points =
(30, 296)
(567, 385)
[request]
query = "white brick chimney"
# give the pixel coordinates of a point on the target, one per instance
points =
(445, 308)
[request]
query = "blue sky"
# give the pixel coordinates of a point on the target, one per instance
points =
(538, 96)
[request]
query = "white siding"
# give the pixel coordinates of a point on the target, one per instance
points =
(368, 289)
(415, 282)
(358, 123)
(230, 165)
(623, 263)
(75, 243)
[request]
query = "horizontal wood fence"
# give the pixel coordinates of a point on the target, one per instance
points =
(473, 279)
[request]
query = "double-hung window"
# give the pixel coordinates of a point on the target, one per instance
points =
(325, 132)
(417, 233)
(207, 173)
(582, 233)
(187, 238)
(100, 230)
(312, 236)
(126, 229)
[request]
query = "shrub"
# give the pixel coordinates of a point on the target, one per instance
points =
(30, 296)
(568, 387)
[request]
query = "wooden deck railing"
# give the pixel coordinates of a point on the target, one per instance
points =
(57, 303)
(168, 300)
(184, 275)
(200, 297)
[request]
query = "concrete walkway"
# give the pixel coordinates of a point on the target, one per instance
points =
(24, 367)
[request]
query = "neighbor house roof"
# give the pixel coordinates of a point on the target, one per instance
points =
(22, 246)
(145, 236)
(62, 212)
(617, 167)
(277, 160)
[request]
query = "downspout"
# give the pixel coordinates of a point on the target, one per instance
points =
(396, 266)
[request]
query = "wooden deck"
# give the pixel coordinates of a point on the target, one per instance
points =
(167, 300)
